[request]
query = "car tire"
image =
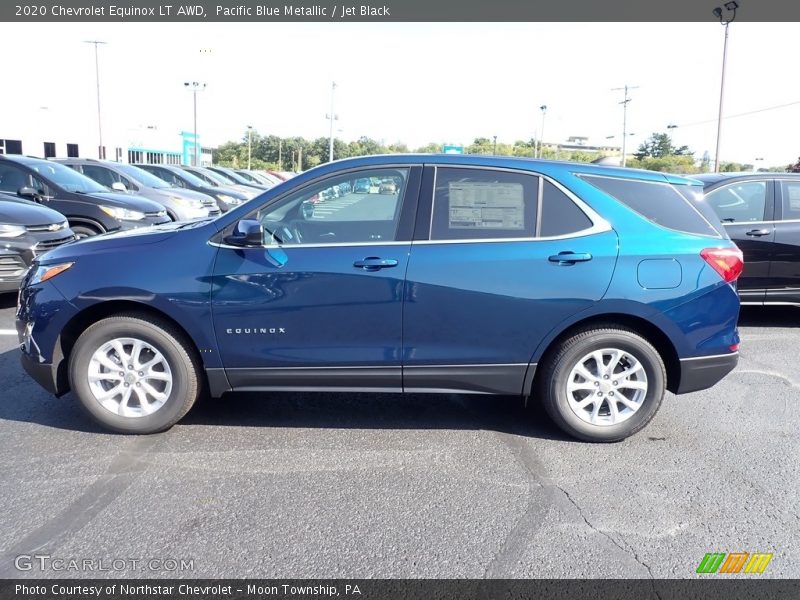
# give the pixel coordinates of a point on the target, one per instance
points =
(131, 400)
(84, 231)
(605, 403)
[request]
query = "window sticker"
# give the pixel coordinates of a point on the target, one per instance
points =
(482, 205)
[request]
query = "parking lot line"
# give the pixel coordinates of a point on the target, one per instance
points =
(7, 332)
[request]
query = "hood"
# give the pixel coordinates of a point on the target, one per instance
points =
(23, 212)
(183, 193)
(121, 239)
(239, 191)
(122, 200)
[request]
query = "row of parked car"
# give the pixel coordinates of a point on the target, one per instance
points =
(46, 203)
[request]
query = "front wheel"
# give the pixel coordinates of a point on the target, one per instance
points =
(84, 231)
(133, 374)
(603, 384)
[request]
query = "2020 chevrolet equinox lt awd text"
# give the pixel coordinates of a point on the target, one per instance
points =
(595, 289)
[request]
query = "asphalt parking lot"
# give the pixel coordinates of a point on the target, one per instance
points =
(344, 485)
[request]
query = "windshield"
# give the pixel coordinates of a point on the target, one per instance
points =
(213, 177)
(234, 177)
(142, 176)
(190, 178)
(66, 178)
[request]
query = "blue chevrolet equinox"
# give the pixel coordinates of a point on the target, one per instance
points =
(593, 289)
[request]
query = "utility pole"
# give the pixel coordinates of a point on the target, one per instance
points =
(625, 116)
(280, 154)
(731, 7)
(494, 151)
(100, 149)
(332, 116)
(195, 86)
(543, 108)
(249, 145)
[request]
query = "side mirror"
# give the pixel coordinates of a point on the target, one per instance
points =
(28, 192)
(248, 233)
(118, 186)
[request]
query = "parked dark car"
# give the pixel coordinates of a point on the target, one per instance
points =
(26, 231)
(181, 204)
(90, 207)
(265, 179)
(594, 289)
(761, 213)
(234, 177)
(214, 179)
(175, 176)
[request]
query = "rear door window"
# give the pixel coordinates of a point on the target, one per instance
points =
(790, 193)
(474, 204)
(740, 202)
(560, 215)
(656, 201)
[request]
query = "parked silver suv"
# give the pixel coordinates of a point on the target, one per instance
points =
(181, 205)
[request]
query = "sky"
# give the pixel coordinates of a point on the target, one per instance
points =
(414, 82)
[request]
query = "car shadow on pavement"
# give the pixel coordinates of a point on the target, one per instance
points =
(504, 414)
(22, 400)
(769, 316)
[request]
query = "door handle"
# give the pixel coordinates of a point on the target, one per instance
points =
(569, 258)
(758, 232)
(374, 263)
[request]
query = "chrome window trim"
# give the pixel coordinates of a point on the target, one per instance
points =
(772, 222)
(539, 207)
(336, 245)
(599, 224)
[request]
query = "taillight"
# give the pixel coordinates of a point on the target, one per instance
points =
(728, 262)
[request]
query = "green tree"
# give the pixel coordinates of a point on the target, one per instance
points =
(795, 168)
(660, 145)
(430, 148)
(668, 164)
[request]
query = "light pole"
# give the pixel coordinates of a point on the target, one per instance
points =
(494, 148)
(195, 86)
(100, 149)
(542, 108)
(625, 116)
(332, 116)
(249, 145)
(613, 137)
(280, 154)
(731, 8)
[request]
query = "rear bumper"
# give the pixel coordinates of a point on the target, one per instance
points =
(703, 372)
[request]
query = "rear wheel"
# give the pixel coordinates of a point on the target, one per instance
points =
(134, 375)
(603, 384)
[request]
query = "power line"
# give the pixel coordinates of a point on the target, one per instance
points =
(744, 114)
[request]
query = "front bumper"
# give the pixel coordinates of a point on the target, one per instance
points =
(703, 372)
(44, 374)
(13, 268)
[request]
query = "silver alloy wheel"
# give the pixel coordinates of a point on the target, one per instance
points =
(606, 387)
(129, 377)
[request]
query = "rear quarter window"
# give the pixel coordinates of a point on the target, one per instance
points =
(658, 202)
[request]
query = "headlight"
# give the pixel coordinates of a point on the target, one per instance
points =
(123, 213)
(230, 199)
(9, 230)
(190, 202)
(45, 272)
